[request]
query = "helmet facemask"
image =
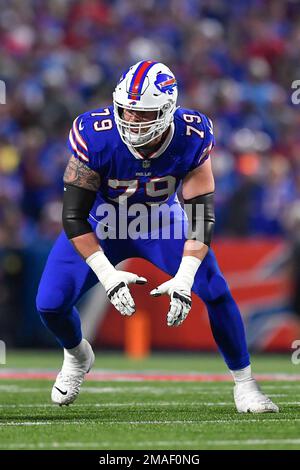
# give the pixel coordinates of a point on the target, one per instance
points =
(138, 134)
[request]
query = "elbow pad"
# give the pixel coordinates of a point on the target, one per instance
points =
(201, 217)
(77, 203)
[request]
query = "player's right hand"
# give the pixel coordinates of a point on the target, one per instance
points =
(116, 287)
(115, 282)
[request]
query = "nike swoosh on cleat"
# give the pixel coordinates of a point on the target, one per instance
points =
(63, 393)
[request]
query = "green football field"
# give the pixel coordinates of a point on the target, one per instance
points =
(143, 404)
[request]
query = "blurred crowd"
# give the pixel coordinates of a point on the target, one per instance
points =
(235, 61)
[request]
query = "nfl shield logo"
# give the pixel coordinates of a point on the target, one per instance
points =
(146, 163)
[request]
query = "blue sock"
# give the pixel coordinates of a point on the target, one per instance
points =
(228, 331)
(65, 326)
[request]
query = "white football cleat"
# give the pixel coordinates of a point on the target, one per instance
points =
(249, 399)
(68, 382)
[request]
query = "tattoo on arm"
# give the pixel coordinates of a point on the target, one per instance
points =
(78, 174)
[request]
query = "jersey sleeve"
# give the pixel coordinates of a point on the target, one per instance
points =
(78, 142)
(207, 144)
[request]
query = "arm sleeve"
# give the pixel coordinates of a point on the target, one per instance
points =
(201, 217)
(77, 203)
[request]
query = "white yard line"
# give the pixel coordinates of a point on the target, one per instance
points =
(137, 404)
(253, 442)
(141, 444)
(97, 445)
(38, 423)
(154, 422)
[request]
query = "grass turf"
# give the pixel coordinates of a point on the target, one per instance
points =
(146, 415)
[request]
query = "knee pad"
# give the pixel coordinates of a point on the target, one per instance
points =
(51, 301)
(221, 299)
(218, 288)
(213, 289)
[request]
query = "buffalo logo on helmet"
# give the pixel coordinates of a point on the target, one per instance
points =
(165, 83)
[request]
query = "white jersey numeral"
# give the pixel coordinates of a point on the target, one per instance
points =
(190, 118)
(129, 185)
(151, 189)
(168, 181)
(104, 125)
(105, 112)
(190, 129)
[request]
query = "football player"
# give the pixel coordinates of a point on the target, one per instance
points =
(139, 151)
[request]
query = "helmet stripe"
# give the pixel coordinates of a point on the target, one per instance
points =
(138, 79)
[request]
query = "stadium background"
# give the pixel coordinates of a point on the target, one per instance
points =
(236, 62)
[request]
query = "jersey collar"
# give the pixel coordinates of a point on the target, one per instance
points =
(158, 152)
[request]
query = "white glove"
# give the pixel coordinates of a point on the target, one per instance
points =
(179, 289)
(115, 282)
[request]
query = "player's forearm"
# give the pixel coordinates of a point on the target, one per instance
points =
(200, 231)
(86, 245)
(200, 210)
(193, 254)
(195, 248)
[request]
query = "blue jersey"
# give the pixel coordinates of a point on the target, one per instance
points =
(94, 139)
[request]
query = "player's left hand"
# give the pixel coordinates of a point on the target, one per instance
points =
(181, 302)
